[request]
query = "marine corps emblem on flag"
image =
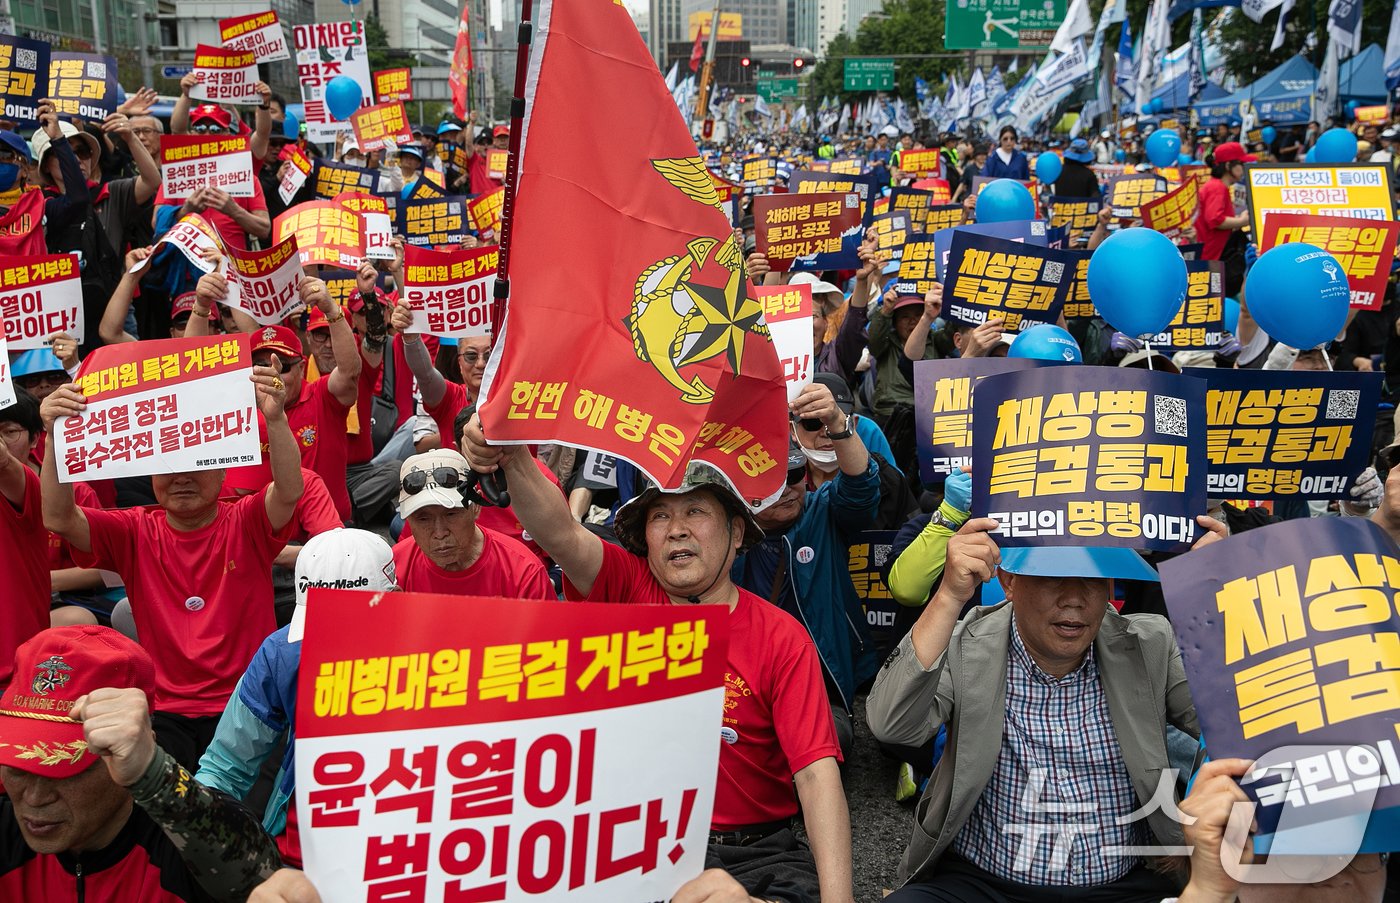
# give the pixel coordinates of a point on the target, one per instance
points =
(678, 318)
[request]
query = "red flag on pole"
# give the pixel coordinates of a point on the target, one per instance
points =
(632, 328)
(458, 76)
(697, 53)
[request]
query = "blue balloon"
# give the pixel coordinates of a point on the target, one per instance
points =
(1046, 342)
(1048, 167)
(1311, 155)
(1120, 155)
(1351, 108)
(1232, 316)
(1004, 201)
(1184, 159)
(1146, 109)
(1163, 147)
(1298, 294)
(291, 125)
(1268, 133)
(1335, 146)
(343, 97)
(1137, 280)
(1157, 105)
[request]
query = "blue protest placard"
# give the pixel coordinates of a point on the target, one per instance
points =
(943, 393)
(1028, 231)
(869, 563)
(1302, 434)
(433, 222)
(83, 84)
(1291, 644)
(331, 179)
(807, 182)
(1090, 456)
(24, 77)
(1200, 323)
(990, 277)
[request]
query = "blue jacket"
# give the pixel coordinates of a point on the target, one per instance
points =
(1018, 168)
(826, 601)
(262, 708)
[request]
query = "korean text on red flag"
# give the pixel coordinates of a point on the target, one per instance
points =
(450, 292)
(161, 406)
(453, 748)
(39, 297)
(191, 162)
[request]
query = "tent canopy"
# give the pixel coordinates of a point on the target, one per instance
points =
(1362, 77)
(1176, 94)
(1283, 96)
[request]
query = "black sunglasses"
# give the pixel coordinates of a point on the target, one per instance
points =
(446, 477)
(797, 475)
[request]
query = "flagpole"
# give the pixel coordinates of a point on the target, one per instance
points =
(707, 71)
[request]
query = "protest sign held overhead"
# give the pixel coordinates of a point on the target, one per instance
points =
(24, 77)
(1127, 193)
(263, 284)
(195, 238)
(450, 292)
(916, 267)
(40, 296)
(1357, 190)
(377, 220)
(259, 32)
(808, 231)
(433, 222)
(1027, 231)
(821, 183)
(225, 75)
(332, 179)
(496, 161)
(295, 175)
(892, 230)
(991, 277)
(1078, 303)
(1278, 434)
(1075, 455)
(694, 377)
(1291, 642)
(393, 84)
(917, 203)
(326, 233)
(943, 393)
(847, 166)
(787, 309)
(191, 162)
(1174, 212)
(760, 172)
(1077, 214)
(922, 164)
(590, 676)
(1200, 323)
(326, 50)
(485, 211)
(161, 406)
(83, 84)
(1364, 247)
(376, 125)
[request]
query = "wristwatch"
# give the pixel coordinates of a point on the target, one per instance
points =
(847, 433)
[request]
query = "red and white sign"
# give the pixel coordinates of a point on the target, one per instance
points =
(324, 51)
(1364, 247)
(295, 175)
(259, 32)
(453, 748)
(375, 127)
(225, 76)
(7, 382)
(496, 161)
(161, 406)
(263, 284)
(378, 222)
(485, 211)
(40, 296)
(327, 234)
(787, 309)
(191, 162)
(393, 84)
(196, 239)
(450, 292)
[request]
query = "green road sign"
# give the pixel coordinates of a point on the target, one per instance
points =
(777, 88)
(1002, 24)
(869, 75)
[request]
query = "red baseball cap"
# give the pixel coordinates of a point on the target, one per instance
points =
(1232, 152)
(52, 670)
(317, 320)
(212, 112)
(500, 130)
(907, 301)
(280, 339)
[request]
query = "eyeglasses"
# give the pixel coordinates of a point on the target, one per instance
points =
(472, 357)
(41, 379)
(13, 433)
(206, 128)
(446, 477)
(144, 130)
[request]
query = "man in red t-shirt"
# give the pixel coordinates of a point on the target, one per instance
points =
(1215, 217)
(445, 551)
(678, 548)
(23, 543)
(198, 571)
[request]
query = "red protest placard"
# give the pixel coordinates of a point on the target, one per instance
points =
(797, 226)
(225, 76)
(393, 84)
(40, 296)
(377, 221)
(259, 32)
(295, 175)
(383, 121)
(499, 738)
(327, 234)
(942, 194)
(450, 292)
(1364, 248)
(922, 164)
(485, 211)
(1173, 212)
(263, 284)
(191, 162)
(787, 309)
(161, 406)
(496, 163)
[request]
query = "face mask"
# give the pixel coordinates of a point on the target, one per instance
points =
(825, 460)
(9, 174)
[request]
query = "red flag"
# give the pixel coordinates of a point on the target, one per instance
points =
(457, 76)
(632, 327)
(697, 53)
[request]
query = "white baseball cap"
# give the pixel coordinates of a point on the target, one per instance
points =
(341, 559)
(818, 286)
(437, 487)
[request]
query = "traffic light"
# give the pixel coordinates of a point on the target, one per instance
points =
(798, 63)
(745, 62)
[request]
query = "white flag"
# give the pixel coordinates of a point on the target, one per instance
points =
(1282, 21)
(671, 76)
(1392, 49)
(1325, 99)
(1114, 11)
(1078, 22)
(1257, 9)
(976, 92)
(760, 106)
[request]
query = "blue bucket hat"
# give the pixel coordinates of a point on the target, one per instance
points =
(1078, 561)
(40, 360)
(1079, 151)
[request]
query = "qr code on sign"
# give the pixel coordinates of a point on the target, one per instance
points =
(1342, 404)
(1170, 416)
(96, 69)
(26, 59)
(1054, 271)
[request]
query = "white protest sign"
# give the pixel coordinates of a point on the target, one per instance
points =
(194, 237)
(7, 382)
(259, 32)
(294, 175)
(450, 292)
(225, 76)
(40, 296)
(263, 284)
(191, 162)
(787, 309)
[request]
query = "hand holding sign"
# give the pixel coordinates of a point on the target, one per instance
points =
(48, 119)
(972, 560)
(314, 294)
(62, 403)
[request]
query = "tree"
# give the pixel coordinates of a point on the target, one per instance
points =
(380, 55)
(1247, 54)
(902, 27)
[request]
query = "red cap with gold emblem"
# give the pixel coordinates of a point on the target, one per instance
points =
(280, 339)
(52, 670)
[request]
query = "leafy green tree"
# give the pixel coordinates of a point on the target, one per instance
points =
(1247, 54)
(380, 55)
